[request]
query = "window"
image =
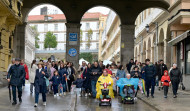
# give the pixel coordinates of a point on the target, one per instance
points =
(55, 27)
(97, 36)
(64, 46)
(45, 27)
(97, 26)
(56, 35)
(65, 37)
(97, 45)
(87, 26)
(87, 48)
(86, 36)
(36, 26)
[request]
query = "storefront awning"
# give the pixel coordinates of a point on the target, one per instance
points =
(179, 38)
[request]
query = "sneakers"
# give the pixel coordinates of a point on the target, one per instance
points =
(60, 94)
(64, 93)
(135, 98)
(152, 96)
(57, 94)
(14, 103)
(44, 103)
(174, 96)
(165, 96)
(85, 95)
(35, 105)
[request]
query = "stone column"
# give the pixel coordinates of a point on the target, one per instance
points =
(19, 41)
(167, 53)
(73, 43)
(127, 43)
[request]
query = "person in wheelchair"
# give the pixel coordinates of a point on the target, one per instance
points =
(104, 86)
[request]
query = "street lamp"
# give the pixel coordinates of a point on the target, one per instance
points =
(147, 28)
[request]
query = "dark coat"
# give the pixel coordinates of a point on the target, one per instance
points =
(79, 82)
(56, 80)
(17, 74)
(175, 75)
(161, 69)
(97, 70)
(150, 72)
(129, 66)
(40, 82)
(61, 74)
(133, 75)
(87, 83)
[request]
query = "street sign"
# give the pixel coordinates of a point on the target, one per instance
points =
(72, 52)
(73, 38)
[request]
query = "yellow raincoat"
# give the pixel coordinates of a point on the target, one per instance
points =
(104, 79)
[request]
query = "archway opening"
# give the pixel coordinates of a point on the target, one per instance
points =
(100, 34)
(161, 45)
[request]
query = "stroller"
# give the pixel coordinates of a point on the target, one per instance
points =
(127, 90)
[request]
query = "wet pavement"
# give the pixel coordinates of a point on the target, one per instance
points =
(66, 103)
(88, 104)
(60, 103)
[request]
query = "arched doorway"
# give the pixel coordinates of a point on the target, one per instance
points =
(161, 45)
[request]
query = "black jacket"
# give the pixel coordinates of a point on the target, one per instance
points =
(150, 72)
(79, 82)
(161, 69)
(175, 75)
(133, 75)
(97, 70)
(17, 74)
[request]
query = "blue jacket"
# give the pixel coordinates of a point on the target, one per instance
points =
(79, 82)
(17, 74)
(150, 72)
(61, 74)
(40, 81)
(55, 79)
(121, 74)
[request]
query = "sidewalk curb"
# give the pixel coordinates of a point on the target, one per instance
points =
(73, 103)
(149, 104)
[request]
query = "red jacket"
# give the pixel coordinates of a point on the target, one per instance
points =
(26, 71)
(165, 78)
(109, 71)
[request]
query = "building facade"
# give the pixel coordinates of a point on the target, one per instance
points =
(56, 24)
(111, 39)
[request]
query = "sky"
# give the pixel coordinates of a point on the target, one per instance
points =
(36, 10)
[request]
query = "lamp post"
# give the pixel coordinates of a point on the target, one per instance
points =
(156, 42)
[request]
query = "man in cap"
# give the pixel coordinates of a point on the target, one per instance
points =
(15, 76)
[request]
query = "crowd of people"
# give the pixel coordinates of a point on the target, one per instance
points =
(57, 78)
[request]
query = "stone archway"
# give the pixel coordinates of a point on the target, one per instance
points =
(161, 45)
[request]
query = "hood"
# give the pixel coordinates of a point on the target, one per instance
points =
(165, 72)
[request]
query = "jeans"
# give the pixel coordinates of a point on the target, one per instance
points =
(175, 85)
(55, 89)
(19, 88)
(93, 83)
(150, 83)
(78, 91)
(166, 90)
(31, 87)
(64, 88)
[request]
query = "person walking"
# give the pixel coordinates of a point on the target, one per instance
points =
(175, 76)
(130, 65)
(161, 68)
(15, 76)
(165, 82)
(150, 72)
(120, 72)
(86, 83)
(26, 71)
(56, 81)
(32, 75)
(40, 84)
(70, 77)
(95, 73)
(63, 75)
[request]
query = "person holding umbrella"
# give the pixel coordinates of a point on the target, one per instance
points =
(15, 76)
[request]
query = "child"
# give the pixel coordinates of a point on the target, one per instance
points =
(166, 82)
(79, 84)
(114, 83)
(56, 81)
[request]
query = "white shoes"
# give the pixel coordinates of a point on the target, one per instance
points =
(85, 95)
(44, 103)
(35, 105)
(55, 96)
(135, 98)
(64, 93)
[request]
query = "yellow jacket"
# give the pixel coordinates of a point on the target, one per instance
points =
(103, 80)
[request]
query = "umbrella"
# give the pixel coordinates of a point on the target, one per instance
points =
(106, 62)
(81, 60)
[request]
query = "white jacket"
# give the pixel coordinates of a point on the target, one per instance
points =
(32, 73)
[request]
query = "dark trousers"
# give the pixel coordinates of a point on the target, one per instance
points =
(175, 85)
(23, 83)
(93, 83)
(55, 89)
(165, 90)
(19, 88)
(150, 83)
(69, 82)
